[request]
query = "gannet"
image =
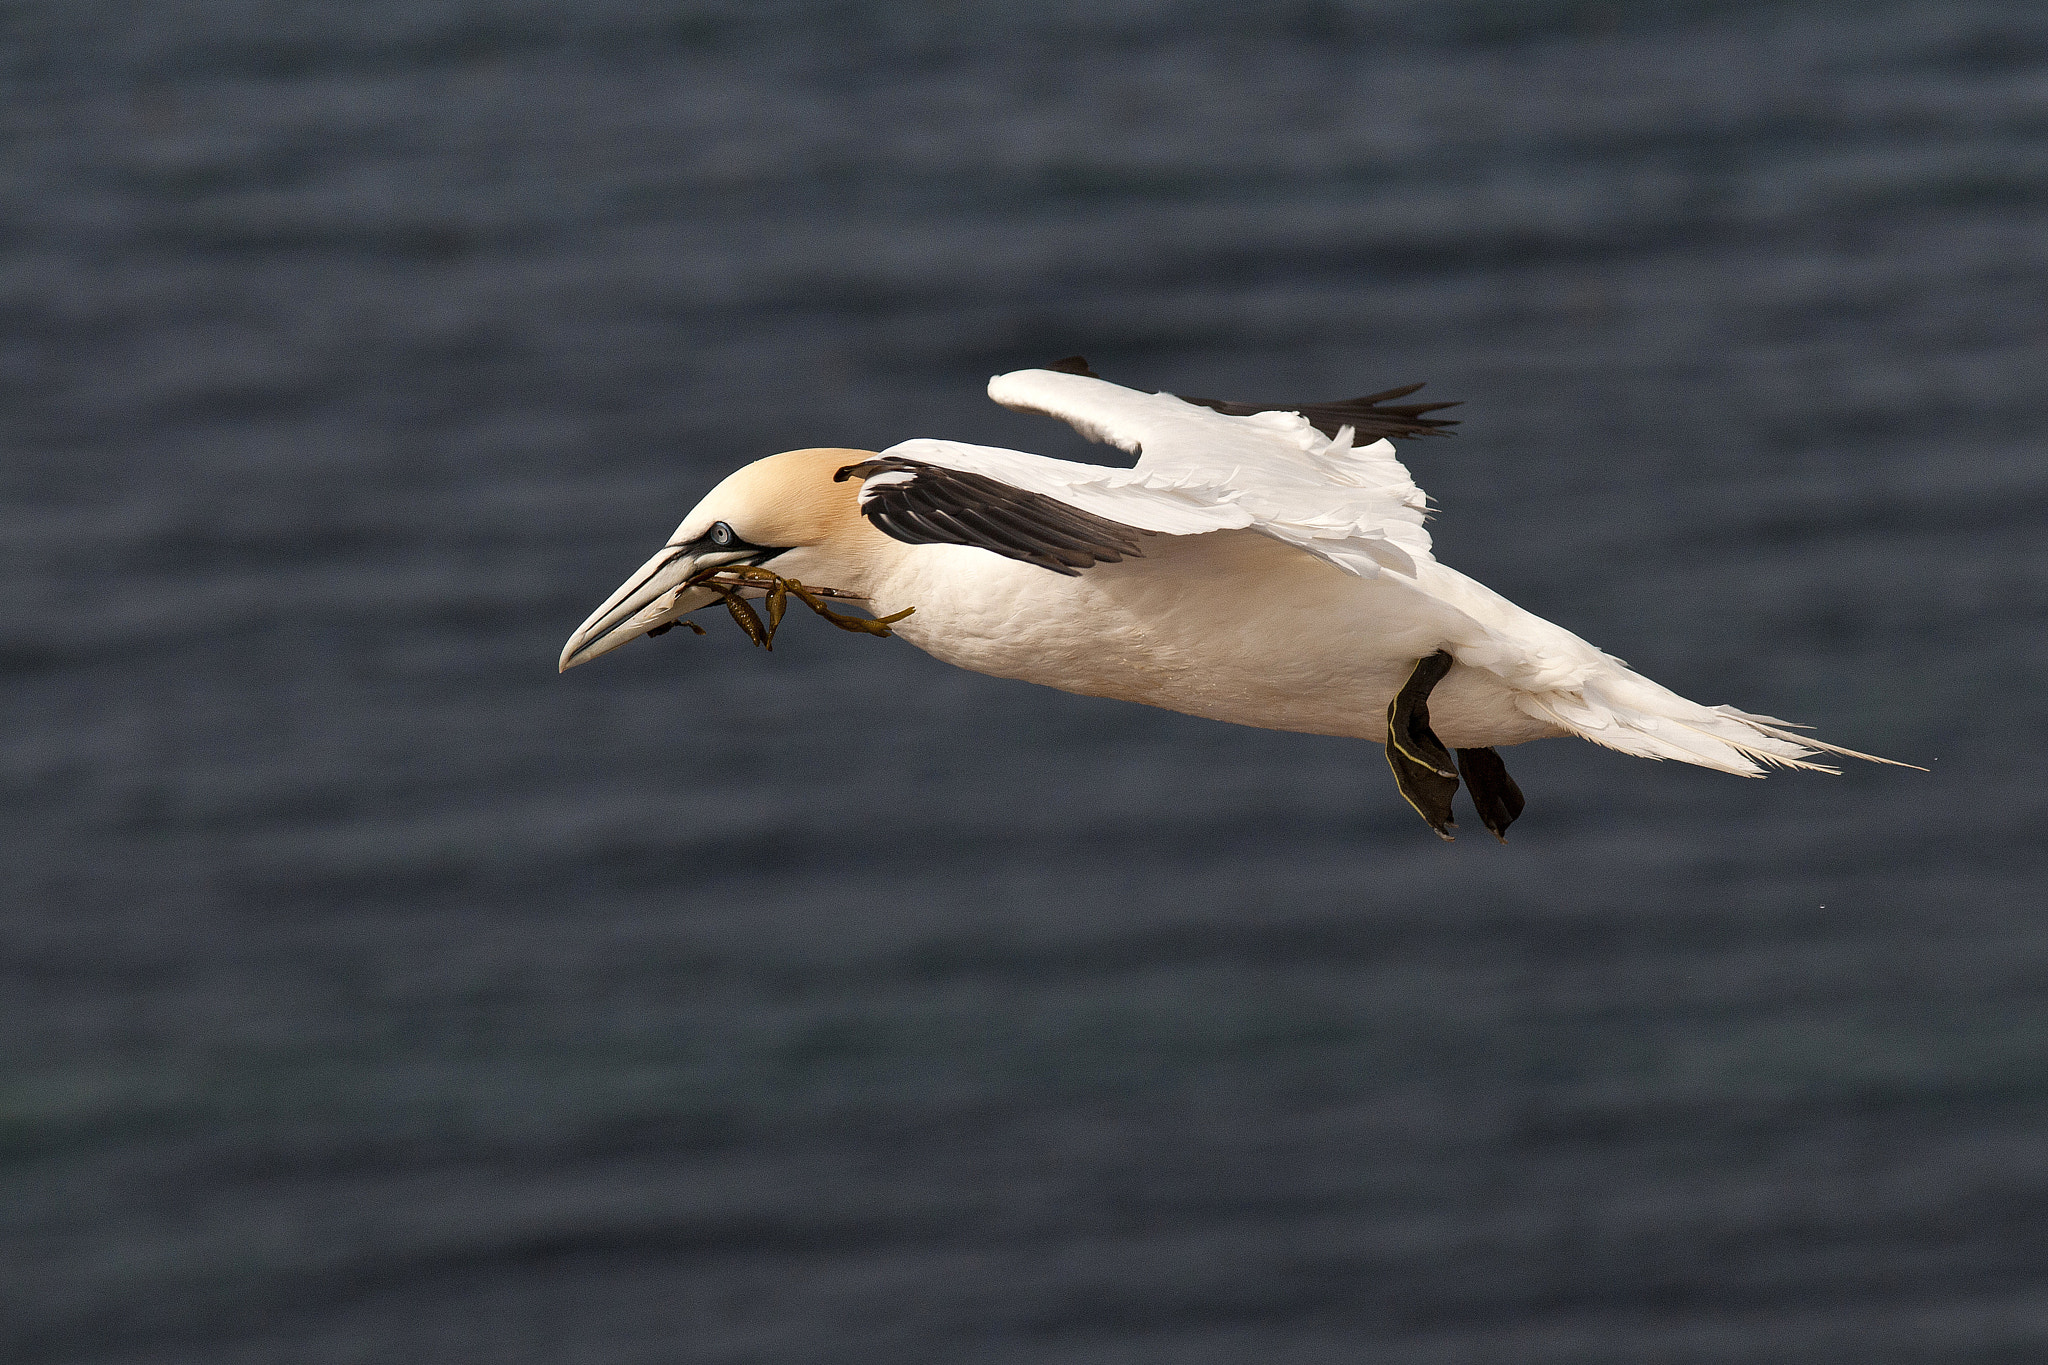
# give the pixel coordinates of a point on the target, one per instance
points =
(1262, 565)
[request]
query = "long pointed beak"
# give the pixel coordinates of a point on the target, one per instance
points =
(652, 597)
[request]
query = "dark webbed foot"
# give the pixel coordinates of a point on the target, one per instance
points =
(1422, 766)
(1495, 794)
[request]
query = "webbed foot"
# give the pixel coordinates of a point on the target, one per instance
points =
(1495, 794)
(1422, 766)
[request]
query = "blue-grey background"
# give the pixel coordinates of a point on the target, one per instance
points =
(371, 993)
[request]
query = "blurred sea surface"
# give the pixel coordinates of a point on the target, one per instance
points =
(370, 993)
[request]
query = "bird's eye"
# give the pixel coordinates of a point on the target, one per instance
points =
(721, 534)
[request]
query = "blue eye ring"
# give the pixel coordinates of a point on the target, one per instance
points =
(721, 535)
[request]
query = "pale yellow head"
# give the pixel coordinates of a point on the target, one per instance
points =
(787, 512)
(784, 501)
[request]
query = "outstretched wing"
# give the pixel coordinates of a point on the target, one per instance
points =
(1280, 463)
(1203, 465)
(1066, 516)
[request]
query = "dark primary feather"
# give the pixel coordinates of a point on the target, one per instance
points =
(939, 506)
(1368, 420)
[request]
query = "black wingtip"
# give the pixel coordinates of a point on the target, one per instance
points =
(1073, 364)
(1365, 415)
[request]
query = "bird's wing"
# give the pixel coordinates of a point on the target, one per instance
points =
(1299, 473)
(1168, 429)
(1056, 514)
(1065, 516)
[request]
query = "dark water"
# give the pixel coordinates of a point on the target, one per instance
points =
(372, 994)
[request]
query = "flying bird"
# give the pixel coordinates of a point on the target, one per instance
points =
(1263, 564)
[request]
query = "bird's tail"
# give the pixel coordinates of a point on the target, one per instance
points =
(1565, 681)
(1624, 710)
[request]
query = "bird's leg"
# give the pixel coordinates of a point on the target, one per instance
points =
(1422, 766)
(1495, 794)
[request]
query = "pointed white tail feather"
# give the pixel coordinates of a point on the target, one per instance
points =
(1625, 711)
(1774, 727)
(1627, 734)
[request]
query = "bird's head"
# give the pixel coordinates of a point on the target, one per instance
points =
(786, 512)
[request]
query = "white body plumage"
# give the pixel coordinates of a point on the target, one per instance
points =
(1232, 625)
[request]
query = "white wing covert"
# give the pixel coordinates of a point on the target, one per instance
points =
(1198, 471)
(1299, 475)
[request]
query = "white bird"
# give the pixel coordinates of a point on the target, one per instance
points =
(1257, 565)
